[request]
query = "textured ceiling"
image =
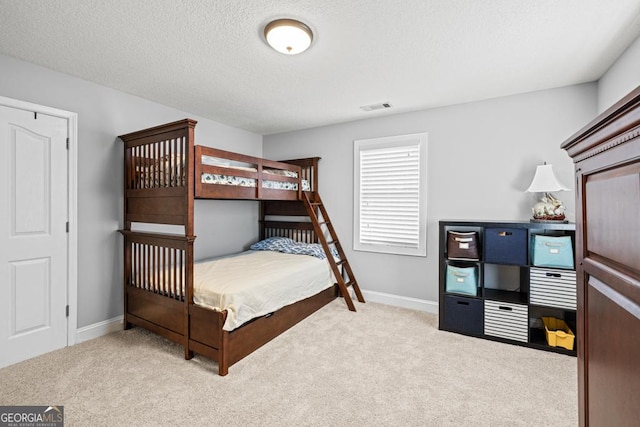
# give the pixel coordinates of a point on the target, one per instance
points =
(209, 57)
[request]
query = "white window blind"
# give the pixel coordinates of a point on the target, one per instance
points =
(390, 211)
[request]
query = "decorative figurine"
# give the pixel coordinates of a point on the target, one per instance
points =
(548, 209)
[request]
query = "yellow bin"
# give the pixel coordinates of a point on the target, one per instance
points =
(558, 333)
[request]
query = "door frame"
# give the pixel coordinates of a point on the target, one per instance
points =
(72, 206)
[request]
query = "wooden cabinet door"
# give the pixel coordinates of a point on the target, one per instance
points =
(608, 269)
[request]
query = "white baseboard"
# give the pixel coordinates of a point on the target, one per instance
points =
(400, 301)
(99, 329)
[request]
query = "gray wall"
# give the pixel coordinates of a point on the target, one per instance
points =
(103, 114)
(621, 78)
(481, 158)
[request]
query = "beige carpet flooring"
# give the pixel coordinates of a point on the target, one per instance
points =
(381, 366)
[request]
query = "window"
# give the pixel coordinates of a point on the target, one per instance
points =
(390, 213)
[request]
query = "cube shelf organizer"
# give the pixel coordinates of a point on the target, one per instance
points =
(509, 281)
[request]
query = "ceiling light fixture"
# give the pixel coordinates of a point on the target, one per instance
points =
(288, 36)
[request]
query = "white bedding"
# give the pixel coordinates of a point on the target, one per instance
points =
(255, 283)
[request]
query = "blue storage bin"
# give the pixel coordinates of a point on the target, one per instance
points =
(461, 280)
(464, 314)
(552, 251)
(505, 246)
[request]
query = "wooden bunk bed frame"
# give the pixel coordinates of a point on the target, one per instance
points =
(162, 177)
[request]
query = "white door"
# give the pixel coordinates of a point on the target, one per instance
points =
(33, 234)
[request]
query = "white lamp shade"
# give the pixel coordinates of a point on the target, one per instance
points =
(288, 36)
(545, 181)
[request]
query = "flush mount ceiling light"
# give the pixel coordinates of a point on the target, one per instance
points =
(288, 36)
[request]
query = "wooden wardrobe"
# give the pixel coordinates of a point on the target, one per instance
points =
(606, 153)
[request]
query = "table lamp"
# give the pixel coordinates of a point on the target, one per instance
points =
(549, 208)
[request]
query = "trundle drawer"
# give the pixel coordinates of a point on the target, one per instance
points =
(553, 288)
(506, 320)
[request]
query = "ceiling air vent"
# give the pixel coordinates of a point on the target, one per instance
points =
(373, 107)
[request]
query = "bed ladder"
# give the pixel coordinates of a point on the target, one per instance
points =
(321, 223)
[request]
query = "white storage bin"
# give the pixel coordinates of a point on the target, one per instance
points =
(506, 320)
(553, 288)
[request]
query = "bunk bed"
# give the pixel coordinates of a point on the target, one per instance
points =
(164, 172)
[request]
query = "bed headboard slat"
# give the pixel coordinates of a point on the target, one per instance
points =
(298, 231)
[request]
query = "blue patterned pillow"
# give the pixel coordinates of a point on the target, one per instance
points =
(277, 244)
(289, 246)
(313, 249)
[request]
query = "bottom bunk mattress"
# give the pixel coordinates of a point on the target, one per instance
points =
(255, 283)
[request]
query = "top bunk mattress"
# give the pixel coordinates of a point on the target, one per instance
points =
(255, 283)
(231, 179)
